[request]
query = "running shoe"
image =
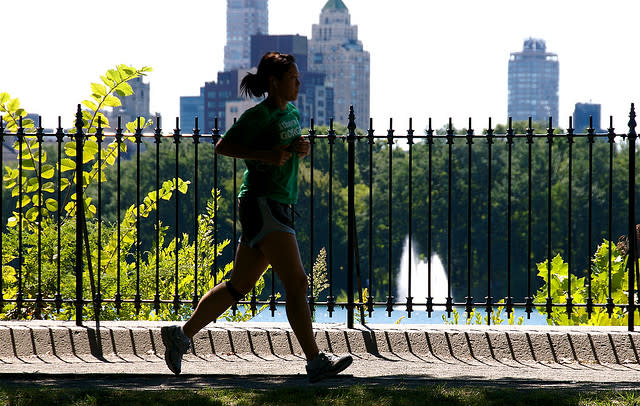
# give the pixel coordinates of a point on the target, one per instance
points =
(326, 365)
(176, 344)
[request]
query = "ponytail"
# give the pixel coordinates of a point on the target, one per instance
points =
(253, 85)
(271, 64)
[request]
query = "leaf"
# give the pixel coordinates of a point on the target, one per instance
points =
(48, 171)
(131, 127)
(108, 82)
(88, 156)
(4, 97)
(124, 89)
(183, 186)
(111, 101)
(26, 200)
(32, 214)
(13, 105)
(48, 187)
(99, 89)
(70, 207)
(70, 148)
(67, 164)
(114, 75)
(89, 104)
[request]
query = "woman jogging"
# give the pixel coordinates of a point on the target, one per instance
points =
(268, 138)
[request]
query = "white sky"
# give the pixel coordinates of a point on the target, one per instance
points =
(429, 58)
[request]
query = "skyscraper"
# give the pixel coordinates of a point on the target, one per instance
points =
(585, 114)
(334, 50)
(133, 106)
(244, 18)
(533, 82)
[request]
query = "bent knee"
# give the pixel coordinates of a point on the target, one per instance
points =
(238, 290)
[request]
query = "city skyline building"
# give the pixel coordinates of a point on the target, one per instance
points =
(586, 114)
(217, 94)
(334, 49)
(244, 19)
(133, 106)
(190, 108)
(533, 82)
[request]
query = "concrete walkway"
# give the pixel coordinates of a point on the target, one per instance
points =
(262, 354)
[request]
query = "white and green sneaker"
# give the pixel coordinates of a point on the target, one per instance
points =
(176, 344)
(326, 365)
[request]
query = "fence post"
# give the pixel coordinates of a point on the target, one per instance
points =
(79, 214)
(633, 243)
(351, 215)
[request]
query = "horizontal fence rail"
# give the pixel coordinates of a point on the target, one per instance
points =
(99, 225)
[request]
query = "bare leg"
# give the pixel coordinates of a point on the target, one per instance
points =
(248, 265)
(281, 250)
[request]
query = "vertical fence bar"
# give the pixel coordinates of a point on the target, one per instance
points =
(39, 297)
(569, 304)
(633, 244)
(590, 140)
(370, 141)
(60, 139)
(549, 304)
(449, 301)
(469, 141)
(176, 141)
(79, 209)
(429, 216)
(489, 298)
(20, 136)
(118, 298)
(612, 140)
(331, 301)
(390, 220)
(410, 253)
(157, 136)
(138, 140)
(351, 215)
(509, 299)
(196, 142)
(529, 298)
(97, 304)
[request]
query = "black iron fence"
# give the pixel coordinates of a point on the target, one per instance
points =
(543, 221)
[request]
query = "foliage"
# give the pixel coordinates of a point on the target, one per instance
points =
(608, 284)
(318, 278)
(39, 241)
(476, 317)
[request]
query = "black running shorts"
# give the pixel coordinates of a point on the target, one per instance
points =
(260, 215)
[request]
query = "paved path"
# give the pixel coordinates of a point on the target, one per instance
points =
(259, 355)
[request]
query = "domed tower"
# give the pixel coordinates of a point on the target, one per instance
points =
(533, 82)
(334, 49)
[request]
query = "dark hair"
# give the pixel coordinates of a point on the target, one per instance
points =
(271, 64)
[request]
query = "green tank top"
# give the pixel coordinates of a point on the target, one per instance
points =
(263, 127)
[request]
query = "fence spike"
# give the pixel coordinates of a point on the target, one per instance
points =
(632, 120)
